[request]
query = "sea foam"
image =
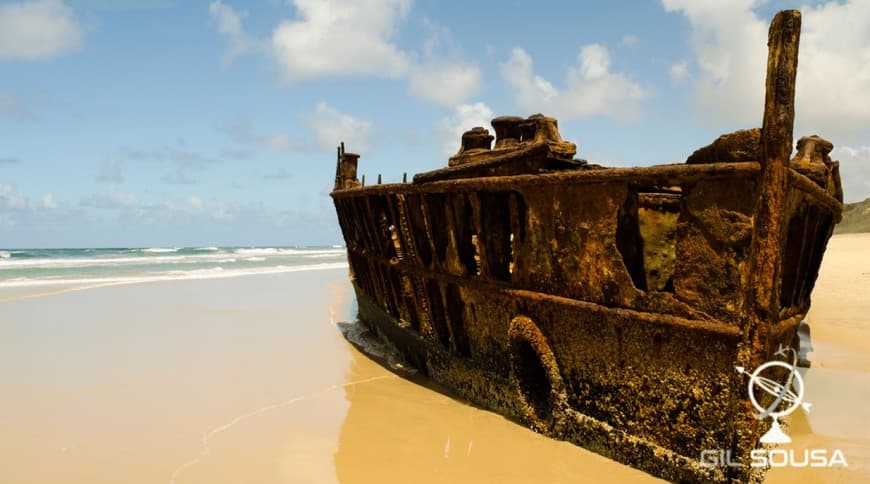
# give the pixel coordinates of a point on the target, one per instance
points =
(197, 274)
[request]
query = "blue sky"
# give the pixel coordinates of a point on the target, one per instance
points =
(178, 123)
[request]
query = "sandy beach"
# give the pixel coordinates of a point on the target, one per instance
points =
(249, 379)
(838, 383)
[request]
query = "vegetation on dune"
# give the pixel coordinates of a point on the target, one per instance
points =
(856, 218)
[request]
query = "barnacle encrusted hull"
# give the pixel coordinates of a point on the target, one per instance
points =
(604, 306)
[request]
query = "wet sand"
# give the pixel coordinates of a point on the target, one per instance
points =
(250, 380)
(238, 380)
(838, 383)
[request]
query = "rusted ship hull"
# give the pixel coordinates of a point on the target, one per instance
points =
(606, 307)
(546, 409)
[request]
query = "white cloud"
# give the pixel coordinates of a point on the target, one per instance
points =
(728, 43)
(528, 88)
(854, 171)
(464, 117)
(628, 40)
(13, 205)
(833, 82)
(353, 38)
(38, 29)
(11, 198)
(229, 23)
(332, 127)
(679, 71)
(48, 202)
(195, 202)
(127, 206)
(341, 37)
(594, 61)
(591, 89)
(192, 205)
(112, 199)
(444, 82)
(18, 212)
(121, 198)
(442, 77)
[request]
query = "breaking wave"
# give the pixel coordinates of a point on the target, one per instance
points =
(87, 258)
(88, 267)
(197, 274)
(160, 250)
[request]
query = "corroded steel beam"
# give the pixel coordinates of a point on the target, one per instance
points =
(653, 175)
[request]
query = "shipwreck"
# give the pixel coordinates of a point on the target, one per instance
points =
(607, 307)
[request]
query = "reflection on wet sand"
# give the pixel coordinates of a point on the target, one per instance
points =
(838, 382)
(398, 431)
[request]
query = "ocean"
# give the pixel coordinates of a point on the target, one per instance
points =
(21, 268)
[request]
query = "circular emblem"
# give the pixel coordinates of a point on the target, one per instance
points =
(786, 397)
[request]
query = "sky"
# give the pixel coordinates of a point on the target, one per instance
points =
(132, 123)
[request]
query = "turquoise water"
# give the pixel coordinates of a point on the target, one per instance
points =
(38, 267)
